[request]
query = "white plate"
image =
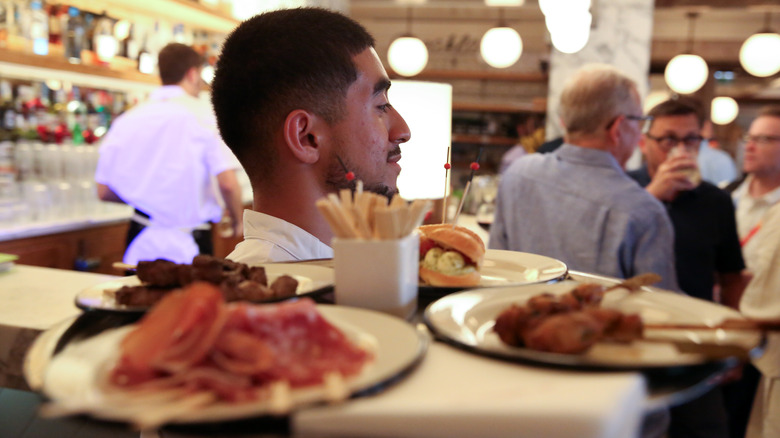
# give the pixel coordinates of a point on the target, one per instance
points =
(70, 378)
(312, 280)
(466, 319)
(512, 268)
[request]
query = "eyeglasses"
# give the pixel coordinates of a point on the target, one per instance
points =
(667, 142)
(760, 139)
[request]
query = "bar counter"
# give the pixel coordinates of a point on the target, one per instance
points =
(451, 393)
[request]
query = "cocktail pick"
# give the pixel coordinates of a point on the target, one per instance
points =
(447, 167)
(348, 174)
(474, 167)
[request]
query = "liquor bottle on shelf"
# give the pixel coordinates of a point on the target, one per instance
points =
(55, 18)
(39, 29)
(106, 45)
(6, 14)
(131, 47)
(89, 31)
(146, 61)
(74, 36)
(9, 115)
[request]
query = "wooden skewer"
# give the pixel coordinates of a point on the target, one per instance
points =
(462, 201)
(123, 266)
(636, 282)
(728, 324)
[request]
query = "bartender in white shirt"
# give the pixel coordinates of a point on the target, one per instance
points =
(166, 159)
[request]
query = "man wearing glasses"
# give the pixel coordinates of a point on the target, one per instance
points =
(761, 189)
(707, 251)
(577, 204)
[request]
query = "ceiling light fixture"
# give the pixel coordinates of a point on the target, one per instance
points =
(760, 53)
(687, 73)
(568, 22)
(570, 31)
(724, 110)
(407, 55)
(501, 46)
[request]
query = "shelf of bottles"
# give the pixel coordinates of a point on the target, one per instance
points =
(48, 152)
(66, 70)
(69, 38)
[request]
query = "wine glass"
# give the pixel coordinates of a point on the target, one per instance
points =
(485, 213)
(487, 206)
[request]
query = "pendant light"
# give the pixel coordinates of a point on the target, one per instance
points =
(686, 73)
(724, 110)
(760, 53)
(407, 55)
(501, 46)
(568, 22)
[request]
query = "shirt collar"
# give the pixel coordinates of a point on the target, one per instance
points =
(167, 92)
(587, 156)
(296, 241)
(743, 192)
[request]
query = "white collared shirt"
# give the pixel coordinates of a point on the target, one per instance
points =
(270, 239)
(749, 212)
(160, 157)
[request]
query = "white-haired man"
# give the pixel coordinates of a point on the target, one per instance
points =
(577, 204)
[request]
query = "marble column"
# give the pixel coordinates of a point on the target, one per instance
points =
(620, 35)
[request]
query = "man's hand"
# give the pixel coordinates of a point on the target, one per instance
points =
(671, 178)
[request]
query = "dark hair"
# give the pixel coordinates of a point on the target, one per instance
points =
(770, 111)
(682, 106)
(277, 62)
(175, 60)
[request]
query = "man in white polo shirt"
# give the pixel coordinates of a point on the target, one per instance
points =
(761, 189)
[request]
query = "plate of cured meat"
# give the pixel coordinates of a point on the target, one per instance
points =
(508, 268)
(194, 358)
(593, 323)
(237, 281)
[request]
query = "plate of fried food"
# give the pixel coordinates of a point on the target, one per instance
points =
(156, 278)
(454, 258)
(194, 358)
(594, 323)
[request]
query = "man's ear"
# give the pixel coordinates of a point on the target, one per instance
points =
(613, 131)
(193, 75)
(643, 144)
(301, 134)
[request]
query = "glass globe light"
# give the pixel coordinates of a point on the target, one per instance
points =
(569, 31)
(407, 56)
(724, 110)
(686, 73)
(760, 54)
(552, 7)
(501, 47)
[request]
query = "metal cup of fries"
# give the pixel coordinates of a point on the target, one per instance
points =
(376, 249)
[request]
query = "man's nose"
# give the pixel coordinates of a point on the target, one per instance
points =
(399, 130)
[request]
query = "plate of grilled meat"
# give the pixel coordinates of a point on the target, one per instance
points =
(594, 323)
(237, 281)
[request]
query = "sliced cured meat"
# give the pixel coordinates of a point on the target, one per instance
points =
(306, 346)
(193, 341)
(176, 333)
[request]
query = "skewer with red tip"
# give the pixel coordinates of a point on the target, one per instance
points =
(348, 174)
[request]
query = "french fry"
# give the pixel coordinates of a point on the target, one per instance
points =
(332, 218)
(335, 388)
(281, 399)
(346, 198)
(366, 215)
